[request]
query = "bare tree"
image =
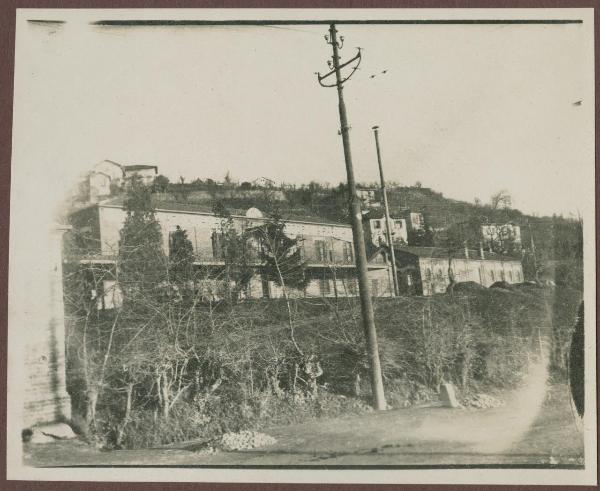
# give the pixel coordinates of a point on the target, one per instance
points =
(500, 200)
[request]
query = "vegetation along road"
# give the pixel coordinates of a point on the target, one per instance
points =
(513, 434)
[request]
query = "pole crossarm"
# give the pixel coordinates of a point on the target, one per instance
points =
(332, 72)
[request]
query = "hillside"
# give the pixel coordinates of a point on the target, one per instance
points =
(449, 223)
(555, 238)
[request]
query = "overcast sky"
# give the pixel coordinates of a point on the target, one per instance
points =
(466, 110)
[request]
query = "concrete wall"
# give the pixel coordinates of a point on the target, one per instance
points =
(45, 395)
(380, 284)
(434, 272)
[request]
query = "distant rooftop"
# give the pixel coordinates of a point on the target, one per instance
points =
(203, 208)
(140, 167)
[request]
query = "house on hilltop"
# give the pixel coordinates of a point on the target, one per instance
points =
(108, 176)
(146, 173)
(103, 178)
(414, 220)
(374, 223)
(367, 195)
(498, 237)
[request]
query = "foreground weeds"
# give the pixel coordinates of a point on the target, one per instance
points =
(227, 368)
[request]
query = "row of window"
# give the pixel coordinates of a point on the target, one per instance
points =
(498, 275)
(345, 287)
(325, 253)
(378, 224)
(350, 287)
(323, 249)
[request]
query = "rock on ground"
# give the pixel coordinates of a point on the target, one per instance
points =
(245, 440)
(47, 433)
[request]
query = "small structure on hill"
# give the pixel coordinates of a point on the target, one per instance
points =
(497, 237)
(108, 176)
(374, 223)
(368, 195)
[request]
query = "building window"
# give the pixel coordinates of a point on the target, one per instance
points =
(492, 275)
(374, 287)
(377, 224)
(324, 287)
(300, 246)
(518, 276)
(217, 245)
(510, 276)
(348, 253)
(352, 286)
(320, 250)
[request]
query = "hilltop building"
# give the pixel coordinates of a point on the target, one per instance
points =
(496, 234)
(414, 220)
(106, 176)
(374, 223)
(368, 195)
(146, 173)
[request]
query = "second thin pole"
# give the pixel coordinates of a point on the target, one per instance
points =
(388, 225)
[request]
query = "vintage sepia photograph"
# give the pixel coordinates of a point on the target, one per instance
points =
(304, 245)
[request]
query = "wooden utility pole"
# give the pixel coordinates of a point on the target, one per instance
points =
(535, 266)
(388, 225)
(356, 217)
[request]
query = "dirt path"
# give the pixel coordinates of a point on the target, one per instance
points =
(535, 426)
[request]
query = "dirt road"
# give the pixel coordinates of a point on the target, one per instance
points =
(535, 426)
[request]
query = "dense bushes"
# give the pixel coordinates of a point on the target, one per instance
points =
(235, 367)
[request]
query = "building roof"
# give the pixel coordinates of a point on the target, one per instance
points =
(140, 167)
(119, 201)
(110, 162)
(440, 252)
(204, 209)
(379, 213)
